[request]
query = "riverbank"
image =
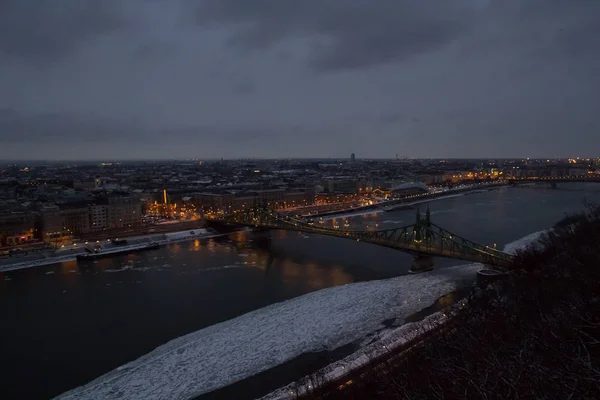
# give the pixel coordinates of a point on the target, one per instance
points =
(136, 243)
(406, 202)
(389, 340)
(309, 364)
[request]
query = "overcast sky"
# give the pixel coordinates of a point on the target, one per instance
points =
(100, 79)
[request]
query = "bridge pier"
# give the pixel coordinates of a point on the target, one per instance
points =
(495, 283)
(490, 274)
(421, 263)
(552, 185)
(423, 239)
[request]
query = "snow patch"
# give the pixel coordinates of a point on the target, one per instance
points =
(389, 339)
(233, 350)
(124, 268)
(185, 234)
(525, 241)
(448, 211)
(352, 214)
(241, 265)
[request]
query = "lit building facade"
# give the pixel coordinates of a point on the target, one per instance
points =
(124, 212)
(17, 228)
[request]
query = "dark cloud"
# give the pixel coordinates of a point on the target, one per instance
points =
(391, 118)
(215, 134)
(244, 87)
(154, 50)
(581, 39)
(551, 28)
(346, 34)
(44, 129)
(44, 30)
(41, 129)
(148, 78)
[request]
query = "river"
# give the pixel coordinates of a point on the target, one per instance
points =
(63, 325)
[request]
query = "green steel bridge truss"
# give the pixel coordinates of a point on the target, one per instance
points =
(421, 238)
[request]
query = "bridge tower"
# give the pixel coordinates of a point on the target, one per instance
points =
(422, 262)
(428, 224)
(418, 226)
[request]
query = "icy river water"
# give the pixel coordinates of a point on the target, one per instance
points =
(244, 308)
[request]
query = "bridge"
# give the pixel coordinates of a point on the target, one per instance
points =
(423, 239)
(554, 180)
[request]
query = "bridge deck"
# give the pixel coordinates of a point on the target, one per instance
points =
(427, 239)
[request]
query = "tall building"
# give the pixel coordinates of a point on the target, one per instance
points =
(99, 216)
(62, 222)
(52, 224)
(124, 212)
(352, 158)
(76, 219)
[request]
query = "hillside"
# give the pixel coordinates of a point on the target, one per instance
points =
(535, 336)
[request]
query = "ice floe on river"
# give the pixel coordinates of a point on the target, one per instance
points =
(230, 351)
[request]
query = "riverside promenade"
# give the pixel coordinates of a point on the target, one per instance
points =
(388, 205)
(70, 252)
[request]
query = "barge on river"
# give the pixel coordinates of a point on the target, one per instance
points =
(118, 247)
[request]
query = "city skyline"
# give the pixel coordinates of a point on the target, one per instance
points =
(234, 79)
(18, 161)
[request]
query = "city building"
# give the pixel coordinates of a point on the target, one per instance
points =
(17, 228)
(60, 201)
(124, 212)
(75, 218)
(408, 189)
(227, 201)
(52, 225)
(99, 216)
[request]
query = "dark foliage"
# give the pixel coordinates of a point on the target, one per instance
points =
(536, 337)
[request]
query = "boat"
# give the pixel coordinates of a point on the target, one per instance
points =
(99, 252)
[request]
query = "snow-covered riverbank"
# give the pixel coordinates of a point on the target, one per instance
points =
(224, 353)
(388, 339)
(137, 245)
